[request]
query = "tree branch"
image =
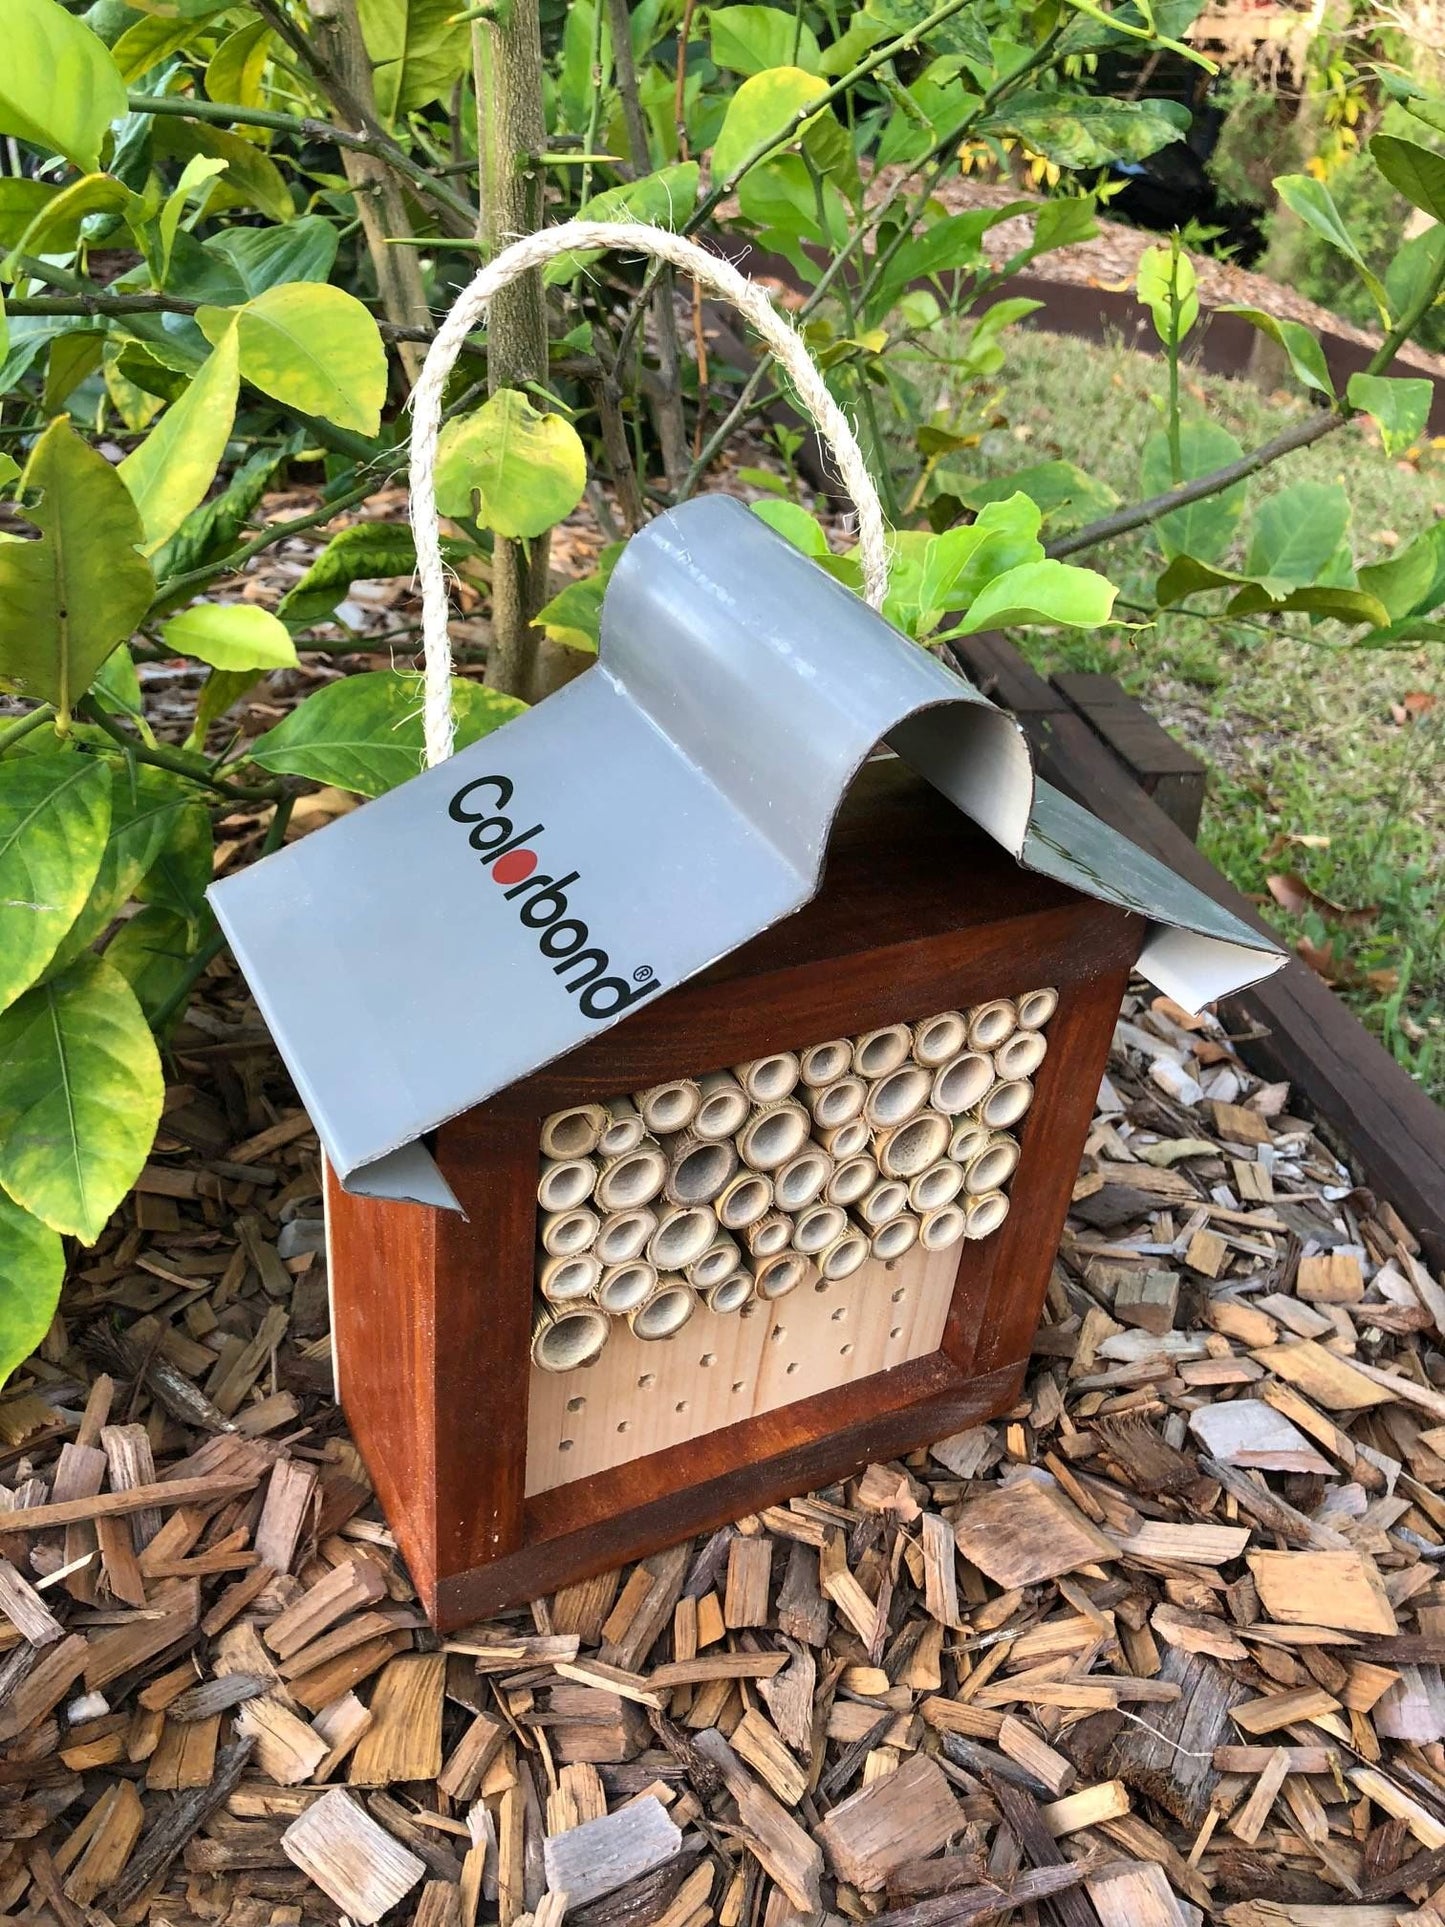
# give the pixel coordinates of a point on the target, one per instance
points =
(176, 761)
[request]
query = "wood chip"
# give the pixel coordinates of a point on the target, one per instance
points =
(354, 1862)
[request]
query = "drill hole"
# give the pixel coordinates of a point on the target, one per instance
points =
(897, 1332)
(822, 1285)
(647, 1378)
(564, 1445)
(681, 1405)
(792, 1368)
(777, 1334)
(841, 1312)
(900, 1295)
(843, 1350)
(708, 1358)
(576, 1404)
(624, 1425)
(738, 1385)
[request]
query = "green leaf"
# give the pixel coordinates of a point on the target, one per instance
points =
(152, 950)
(365, 552)
(1312, 201)
(80, 1097)
(149, 40)
(955, 241)
(1412, 581)
(32, 1270)
(1051, 592)
(144, 805)
(1306, 356)
(1204, 529)
(418, 48)
(1187, 575)
(364, 733)
(759, 113)
(1312, 599)
(56, 226)
(794, 522)
(310, 347)
(1163, 280)
(1414, 268)
(517, 470)
(664, 199)
(69, 598)
(1416, 172)
(1083, 130)
(1399, 405)
(211, 530)
(749, 40)
(59, 86)
(20, 202)
(1064, 494)
(252, 177)
(180, 873)
(266, 257)
(231, 635)
(170, 471)
(54, 819)
(959, 564)
(220, 689)
(1295, 533)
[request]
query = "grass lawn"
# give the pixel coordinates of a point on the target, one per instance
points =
(1298, 729)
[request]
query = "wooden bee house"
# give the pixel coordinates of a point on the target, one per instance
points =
(662, 1181)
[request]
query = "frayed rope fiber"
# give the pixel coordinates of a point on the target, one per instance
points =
(469, 309)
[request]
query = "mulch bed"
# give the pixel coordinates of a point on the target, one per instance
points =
(1166, 1637)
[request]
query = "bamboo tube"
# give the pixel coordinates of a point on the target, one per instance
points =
(775, 1277)
(724, 1108)
(985, 1214)
(877, 1052)
(683, 1234)
(894, 1237)
(887, 1198)
(566, 1183)
(742, 1202)
(834, 1104)
(851, 1180)
(939, 1038)
(624, 1287)
(573, 1133)
(565, 1233)
(847, 1253)
(624, 1234)
(1036, 1007)
(625, 1129)
(669, 1107)
(898, 1096)
(768, 1080)
(696, 1169)
(968, 1140)
(769, 1235)
(1005, 1103)
(941, 1228)
(910, 1148)
(940, 1184)
(564, 1280)
(732, 1294)
(824, 1063)
(963, 1082)
(816, 1227)
(665, 1313)
(1021, 1054)
(634, 1178)
(989, 1024)
(719, 1261)
(772, 1136)
(844, 1140)
(564, 1340)
(802, 1178)
(992, 1167)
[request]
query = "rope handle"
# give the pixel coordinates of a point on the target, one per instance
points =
(719, 277)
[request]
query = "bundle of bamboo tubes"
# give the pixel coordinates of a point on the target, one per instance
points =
(742, 1184)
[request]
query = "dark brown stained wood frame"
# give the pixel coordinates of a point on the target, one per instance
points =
(432, 1312)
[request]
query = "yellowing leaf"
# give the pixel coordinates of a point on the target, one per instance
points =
(760, 113)
(32, 1265)
(69, 598)
(169, 473)
(59, 86)
(231, 635)
(527, 468)
(312, 347)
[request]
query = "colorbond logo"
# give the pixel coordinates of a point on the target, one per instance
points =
(542, 902)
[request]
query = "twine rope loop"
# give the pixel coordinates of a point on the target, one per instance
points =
(720, 278)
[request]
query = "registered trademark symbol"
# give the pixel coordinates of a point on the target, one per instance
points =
(642, 973)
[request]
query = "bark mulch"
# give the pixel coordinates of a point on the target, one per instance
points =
(1164, 1638)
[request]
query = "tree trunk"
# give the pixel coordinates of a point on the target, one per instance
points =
(380, 203)
(511, 134)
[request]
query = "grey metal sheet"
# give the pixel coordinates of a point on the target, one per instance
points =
(649, 818)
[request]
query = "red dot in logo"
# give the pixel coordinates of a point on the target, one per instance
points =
(514, 867)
